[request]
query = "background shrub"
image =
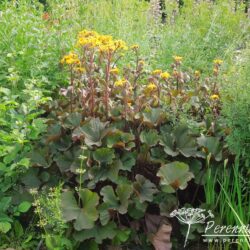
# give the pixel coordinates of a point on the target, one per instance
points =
(237, 106)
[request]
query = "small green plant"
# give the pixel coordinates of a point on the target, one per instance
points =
(47, 208)
(20, 124)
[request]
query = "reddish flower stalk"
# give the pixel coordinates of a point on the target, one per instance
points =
(158, 90)
(125, 100)
(106, 94)
(72, 88)
(91, 86)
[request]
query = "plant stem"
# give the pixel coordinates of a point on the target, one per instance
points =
(72, 89)
(106, 97)
(91, 83)
(189, 225)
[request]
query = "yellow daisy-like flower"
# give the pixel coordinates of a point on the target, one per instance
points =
(218, 61)
(151, 87)
(70, 59)
(135, 46)
(79, 69)
(87, 33)
(88, 38)
(165, 75)
(120, 83)
(141, 62)
(119, 44)
(197, 73)
(178, 59)
(114, 71)
(104, 43)
(214, 97)
(156, 72)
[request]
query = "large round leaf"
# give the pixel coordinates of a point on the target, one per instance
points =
(174, 176)
(144, 188)
(150, 137)
(104, 155)
(118, 201)
(178, 141)
(85, 216)
(93, 132)
(212, 145)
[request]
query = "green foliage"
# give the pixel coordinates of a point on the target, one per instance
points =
(178, 141)
(150, 138)
(204, 31)
(123, 155)
(27, 71)
(84, 217)
(231, 205)
(93, 132)
(32, 47)
(237, 106)
(144, 188)
(174, 175)
(50, 217)
(212, 145)
(199, 32)
(121, 150)
(21, 124)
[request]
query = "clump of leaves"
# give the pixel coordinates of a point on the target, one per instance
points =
(117, 141)
(20, 124)
(50, 218)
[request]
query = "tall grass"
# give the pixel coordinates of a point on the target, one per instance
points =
(236, 107)
(231, 203)
(235, 200)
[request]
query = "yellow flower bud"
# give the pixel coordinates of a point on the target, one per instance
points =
(157, 72)
(120, 83)
(214, 97)
(197, 73)
(218, 61)
(114, 71)
(151, 87)
(135, 47)
(165, 75)
(178, 59)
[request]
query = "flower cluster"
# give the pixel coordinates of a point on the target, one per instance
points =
(97, 84)
(218, 61)
(150, 88)
(214, 97)
(120, 83)
(157, 72)
(70, 59)
(193, 215)
(104, 43)
(165, 75)
(178, 59)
